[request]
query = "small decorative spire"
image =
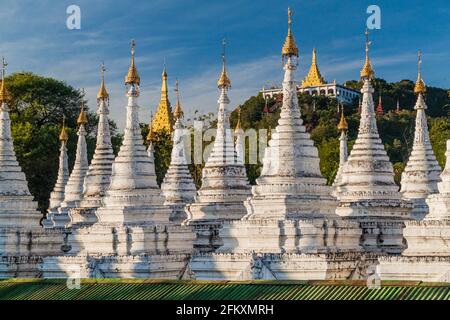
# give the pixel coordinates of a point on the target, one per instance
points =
(420, 84)
(4, 94)
(289, 47)
(397, 109)
(343, 125)
(132, 76)
(224, 81)
(178, 113)
(238, 124)
(102, 94)
(82, 117)
(367, 71)
(151, 135)
(63, 136)
(380, 111)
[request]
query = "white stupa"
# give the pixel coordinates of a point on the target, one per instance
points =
(224, 181)
(178, 186)
(421, 174)
(367, 191)
(134, 195)
(57, 195)
(99, 174)
(73, 192)
(17, 208)
(343, 149)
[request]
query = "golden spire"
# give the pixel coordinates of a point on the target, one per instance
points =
(151, 134)
(420, 84)
(82, 117)
(314, 78)
(367, 71)
(289, 47)
(343, 125)
(102, 93)
(178, 113)
(163, 119)
(132, 76)
(238, 124)
(4, 94)
(224, 81)
(63, 136)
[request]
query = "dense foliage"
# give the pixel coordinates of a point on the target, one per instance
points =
(37, 107)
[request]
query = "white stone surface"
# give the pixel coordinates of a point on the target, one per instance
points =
(73, 192)
(17, 208)
(343, 155)
(57, 195)
(367, 191)
(421, 174)
(133, 195)
(98, 175)
(224, 182)
(178, 186)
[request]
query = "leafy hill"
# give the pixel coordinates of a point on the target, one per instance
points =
(396, 130)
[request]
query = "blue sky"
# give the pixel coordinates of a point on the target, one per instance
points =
(188, 33)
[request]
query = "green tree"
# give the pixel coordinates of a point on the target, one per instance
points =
(37, 107)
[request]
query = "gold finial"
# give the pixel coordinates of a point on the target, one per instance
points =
(4, 94)
(151, 134)
(132, 76)
(314, 78)
(289, 47)
(224, 81)
(367, 71)
(238, 124)
(63, 136)
(178, 113)
(343, 125)
(420, 84)
(102, 93)
(82, 117)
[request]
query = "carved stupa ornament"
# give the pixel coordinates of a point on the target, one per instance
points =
(132, 76)
(343, 125)
(63, 136)
(102, 92)
(367, 70)
(178, 113)
(420, 86)
(289, 47)
(224, 81)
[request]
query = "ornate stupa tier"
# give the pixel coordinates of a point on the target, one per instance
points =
(421, 174)
(17, 208)
(224, 182)
(73, 192)
(133, 195)
(368, 174)
(178, 186)
(57, 195)
(99, 174)
(367, 191)
(291, 172)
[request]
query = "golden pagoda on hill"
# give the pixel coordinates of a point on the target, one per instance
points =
(314, 84)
